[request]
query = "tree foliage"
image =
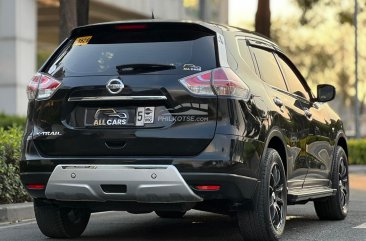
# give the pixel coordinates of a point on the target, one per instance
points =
(11, 189)
(320, 41)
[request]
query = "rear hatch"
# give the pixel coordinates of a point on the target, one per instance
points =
(120, 93)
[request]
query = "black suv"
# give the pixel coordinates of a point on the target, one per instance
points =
(169, 116)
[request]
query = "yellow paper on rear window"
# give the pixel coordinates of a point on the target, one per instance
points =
(82, 40)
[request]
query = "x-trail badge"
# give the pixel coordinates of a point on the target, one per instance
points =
(114, 86)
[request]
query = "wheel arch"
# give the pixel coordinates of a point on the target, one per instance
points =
(342, 142)
(275, 140)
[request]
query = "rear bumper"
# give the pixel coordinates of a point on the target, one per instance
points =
(139, 183)
(232, 187)
(230, 161)
(174, 187)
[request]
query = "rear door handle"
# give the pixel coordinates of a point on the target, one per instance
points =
(278, 102)
(308, 114)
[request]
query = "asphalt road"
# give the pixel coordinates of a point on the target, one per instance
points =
(302, 224)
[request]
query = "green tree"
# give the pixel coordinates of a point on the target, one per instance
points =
(320, 41)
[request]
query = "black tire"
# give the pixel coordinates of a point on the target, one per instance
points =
(59, 222)
(267, 217)
(170, 214)
(336, 207)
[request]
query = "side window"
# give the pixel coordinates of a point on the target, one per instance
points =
(268, 68)
(245, 53)
(294, 83)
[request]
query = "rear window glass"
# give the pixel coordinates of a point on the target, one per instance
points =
(99, 54)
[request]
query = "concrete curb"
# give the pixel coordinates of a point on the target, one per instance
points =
(357, 169)
(14, 212)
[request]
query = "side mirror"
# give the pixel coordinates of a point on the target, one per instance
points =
(325, 93)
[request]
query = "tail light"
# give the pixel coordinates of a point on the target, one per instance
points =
(32, 87)
(199, 84)
(227, 83)
(42, 87)
(220, 81)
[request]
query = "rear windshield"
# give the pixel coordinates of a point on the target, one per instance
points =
(188, 51)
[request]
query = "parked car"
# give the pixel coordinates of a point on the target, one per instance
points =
(168, 116)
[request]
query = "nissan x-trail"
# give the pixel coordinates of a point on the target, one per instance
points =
(168, 116)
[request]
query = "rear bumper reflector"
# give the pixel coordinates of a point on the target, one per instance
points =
(208, 187)
(35, 186)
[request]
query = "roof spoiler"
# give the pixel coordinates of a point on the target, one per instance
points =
(151, 24)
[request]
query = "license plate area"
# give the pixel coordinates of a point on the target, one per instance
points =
(119, 117)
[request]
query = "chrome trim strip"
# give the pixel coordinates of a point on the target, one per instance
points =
(104, 98)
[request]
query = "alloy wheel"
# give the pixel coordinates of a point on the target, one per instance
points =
(276, 197)
(343, 185)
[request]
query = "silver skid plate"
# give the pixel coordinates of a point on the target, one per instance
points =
(145, 183)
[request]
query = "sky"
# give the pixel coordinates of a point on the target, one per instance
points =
(244, 10)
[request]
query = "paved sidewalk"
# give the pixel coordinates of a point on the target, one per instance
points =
(358, 181)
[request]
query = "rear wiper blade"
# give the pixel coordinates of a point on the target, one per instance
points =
(142, 68)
